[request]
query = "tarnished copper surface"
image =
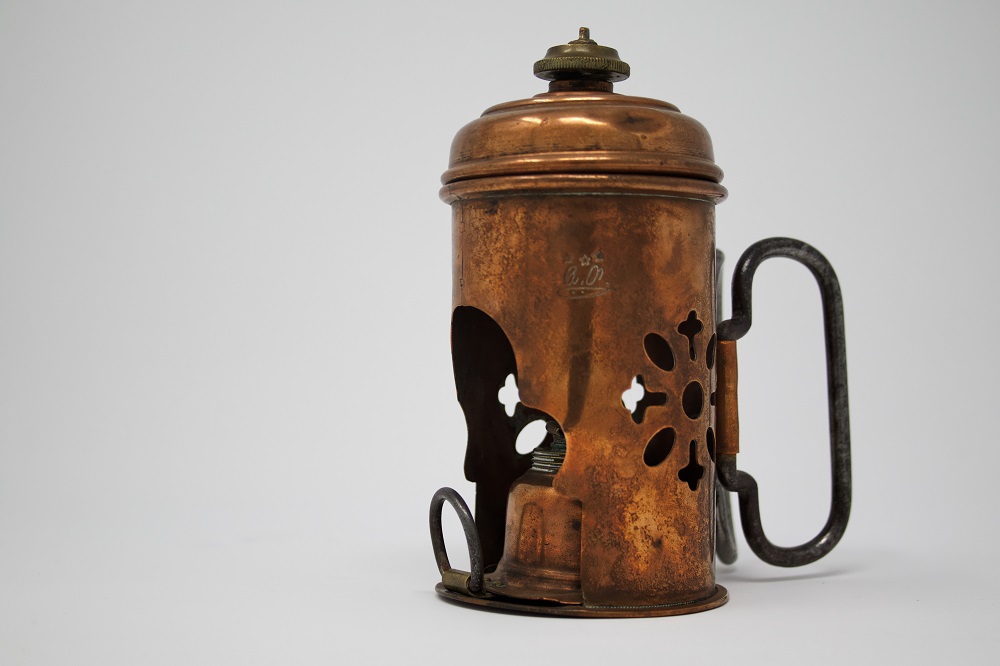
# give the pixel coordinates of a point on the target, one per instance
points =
(577, 282)
(583, 131)
(719, 597)
(542, 552)
(726, 404)
(584, 257)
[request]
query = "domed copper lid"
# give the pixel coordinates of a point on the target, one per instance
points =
(581, 127)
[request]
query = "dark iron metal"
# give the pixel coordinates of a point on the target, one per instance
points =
(725, 527)
(473, 581)
(840, 435)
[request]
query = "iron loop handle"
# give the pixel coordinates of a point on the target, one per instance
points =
(725, 534)
(457, 581)
(836, 379)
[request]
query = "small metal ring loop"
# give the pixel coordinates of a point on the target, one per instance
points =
(449, 495)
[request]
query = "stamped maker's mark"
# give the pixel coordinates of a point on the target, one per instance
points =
(584, 275)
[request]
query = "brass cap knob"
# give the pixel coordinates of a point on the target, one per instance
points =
(582, 58)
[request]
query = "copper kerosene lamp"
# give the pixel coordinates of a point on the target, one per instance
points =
(585, 263)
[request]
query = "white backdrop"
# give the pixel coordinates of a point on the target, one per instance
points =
(225, 381)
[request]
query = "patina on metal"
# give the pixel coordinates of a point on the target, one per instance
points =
(585, 264)
(582, 59)
(840, 428)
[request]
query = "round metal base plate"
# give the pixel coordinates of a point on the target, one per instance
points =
(720, 597)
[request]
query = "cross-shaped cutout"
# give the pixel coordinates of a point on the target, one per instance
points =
(509, 395)
(637, 399)
(689, 328)
(692, 474)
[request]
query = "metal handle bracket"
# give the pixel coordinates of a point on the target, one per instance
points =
(739, 481)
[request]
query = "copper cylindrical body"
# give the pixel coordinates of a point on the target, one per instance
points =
(584, 229)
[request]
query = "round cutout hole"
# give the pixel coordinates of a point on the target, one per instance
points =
(659, 447)
(530, 437)
(693, 400)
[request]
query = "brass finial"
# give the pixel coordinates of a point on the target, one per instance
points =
(584, 59)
